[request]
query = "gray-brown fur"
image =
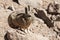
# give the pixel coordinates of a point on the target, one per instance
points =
(21, 20)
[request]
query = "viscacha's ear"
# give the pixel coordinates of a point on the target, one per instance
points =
(26, 10)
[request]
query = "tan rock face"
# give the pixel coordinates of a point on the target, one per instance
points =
(34, 3)
(38, 30)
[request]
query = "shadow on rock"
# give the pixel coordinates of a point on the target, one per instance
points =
(16, 1)
(5, 37)
(41, 14)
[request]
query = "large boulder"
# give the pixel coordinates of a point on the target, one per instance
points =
(53, 8)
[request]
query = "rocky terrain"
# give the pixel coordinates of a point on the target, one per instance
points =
(45, 24)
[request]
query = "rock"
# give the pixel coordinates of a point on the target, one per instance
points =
(53, 17)
(14, 35)
(53, 8)
(32, 3)
(58, 36)
(38, 30)
(57, 26)
(58, 18)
